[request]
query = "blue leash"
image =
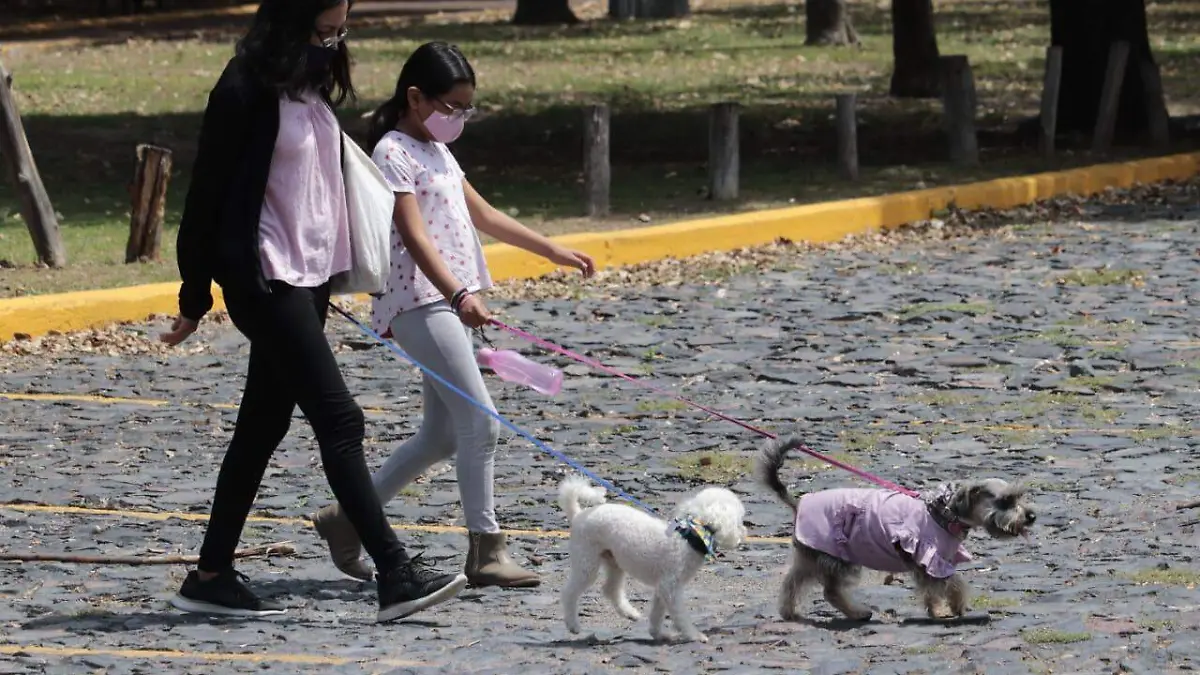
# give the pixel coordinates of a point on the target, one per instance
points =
(514, 428)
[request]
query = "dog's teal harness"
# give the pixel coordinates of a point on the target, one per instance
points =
(698, 535)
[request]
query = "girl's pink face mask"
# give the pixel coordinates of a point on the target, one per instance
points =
(444, 128)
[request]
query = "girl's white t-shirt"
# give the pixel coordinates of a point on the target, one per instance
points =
(430, 172)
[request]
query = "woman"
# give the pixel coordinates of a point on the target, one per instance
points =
(438, 267)
(266, 218)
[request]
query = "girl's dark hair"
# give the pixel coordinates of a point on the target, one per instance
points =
(434, 69)
(275, 49)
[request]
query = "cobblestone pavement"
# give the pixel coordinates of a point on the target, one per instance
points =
(1063, 354)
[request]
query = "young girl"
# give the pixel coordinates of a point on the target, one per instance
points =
(437, 270)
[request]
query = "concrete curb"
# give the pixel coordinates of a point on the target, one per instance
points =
(817, 223)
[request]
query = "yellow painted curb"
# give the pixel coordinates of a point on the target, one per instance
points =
(63, 312)
(816, 223)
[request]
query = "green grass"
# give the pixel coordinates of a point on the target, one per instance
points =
(990, 602)
(972, 308)
(713, 467)
(917, 650)
(1158, 433)
(655, 321)
(1159, 576)
(1061, 336)
(1102, 277)
(1189, 478)
(618, 430)
(1047, 636)
(861, 441)
(85, 109)
(944, 399)
(1158, 625)
(654, 406)
(812, 465)
(1092, 381)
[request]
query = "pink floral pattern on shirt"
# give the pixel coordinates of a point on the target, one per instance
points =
(430, 172)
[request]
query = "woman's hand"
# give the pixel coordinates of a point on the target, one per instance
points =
(181, 329)
(571, 258)
(473, 313)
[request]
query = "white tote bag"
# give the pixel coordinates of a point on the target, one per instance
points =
(370, 201)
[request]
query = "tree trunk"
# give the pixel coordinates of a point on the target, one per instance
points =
(827, 22)
(544, 12)
(1085, 30)
(914, 50)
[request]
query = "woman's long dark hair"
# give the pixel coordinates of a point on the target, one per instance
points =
(434, 69)
(275, 49)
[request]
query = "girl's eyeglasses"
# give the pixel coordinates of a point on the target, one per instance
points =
(465, 113)
(335, 40)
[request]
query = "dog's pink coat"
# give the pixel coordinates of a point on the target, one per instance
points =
(864, 526)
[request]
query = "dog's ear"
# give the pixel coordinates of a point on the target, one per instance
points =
(963, 501)
(1009, 497)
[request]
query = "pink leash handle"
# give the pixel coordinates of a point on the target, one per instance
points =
(646, 385)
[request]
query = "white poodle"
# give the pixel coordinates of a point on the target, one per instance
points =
(625, 540)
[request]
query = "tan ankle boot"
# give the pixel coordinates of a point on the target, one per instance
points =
(488, 563)
(344, 545)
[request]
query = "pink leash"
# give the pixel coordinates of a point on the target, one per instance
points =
(749, 427)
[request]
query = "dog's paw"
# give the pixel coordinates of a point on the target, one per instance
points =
(790, 614)
(632, 614)
(698, 637)
(573, 626)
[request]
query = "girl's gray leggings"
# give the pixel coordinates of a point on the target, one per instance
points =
(452, 426)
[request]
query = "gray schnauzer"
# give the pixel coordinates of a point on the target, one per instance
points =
(839, 532)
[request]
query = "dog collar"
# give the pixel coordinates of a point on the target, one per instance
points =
(698, 535)
(936, 504)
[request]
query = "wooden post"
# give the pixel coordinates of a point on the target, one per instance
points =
(149, 193)
(1110, 97)
(958, 103)
(597, 173)
(847, 136)
(723, 151)
(36, 209)
(1158, 118)
(1051, 85)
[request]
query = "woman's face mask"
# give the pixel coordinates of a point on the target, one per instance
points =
(320, 56)
(319, 60)
(445, 128)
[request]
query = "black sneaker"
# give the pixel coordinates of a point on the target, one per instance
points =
(414, 586)
(224, 594)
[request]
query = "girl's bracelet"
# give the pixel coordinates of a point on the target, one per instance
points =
(457, 298)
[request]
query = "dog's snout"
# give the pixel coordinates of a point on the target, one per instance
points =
(1030, 518)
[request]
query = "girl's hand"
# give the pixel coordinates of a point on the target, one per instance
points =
(571, 258)
(181, 329)
(473, 313)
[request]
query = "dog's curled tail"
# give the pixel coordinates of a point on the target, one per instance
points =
(770, 460)
(577, 493)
